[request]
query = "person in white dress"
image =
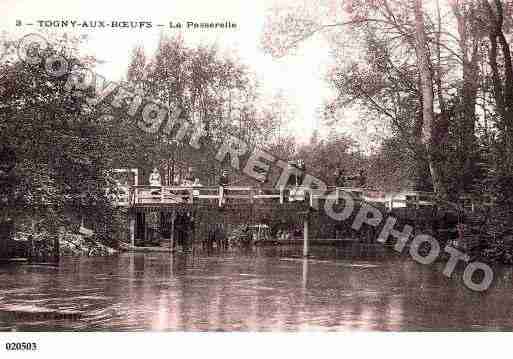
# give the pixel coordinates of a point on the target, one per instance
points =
(196, 184)
(155, 180)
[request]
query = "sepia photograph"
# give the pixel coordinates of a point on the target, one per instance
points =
(250, 171)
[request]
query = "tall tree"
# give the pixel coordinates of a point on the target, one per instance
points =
(62, 152)
(428, 114)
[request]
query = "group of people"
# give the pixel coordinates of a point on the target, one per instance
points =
(189, 181)
(296, 168)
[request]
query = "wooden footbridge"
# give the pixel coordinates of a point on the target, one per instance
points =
(237, 199)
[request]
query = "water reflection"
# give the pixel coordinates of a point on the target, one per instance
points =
(305, 274)
(267, 289)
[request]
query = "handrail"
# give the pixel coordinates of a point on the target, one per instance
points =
(147, 194)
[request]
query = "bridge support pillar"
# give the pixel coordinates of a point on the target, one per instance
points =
(306, 223)
(131, 226)
(172, 236)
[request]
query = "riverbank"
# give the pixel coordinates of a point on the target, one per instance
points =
(40, 246)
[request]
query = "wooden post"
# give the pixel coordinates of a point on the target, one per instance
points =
(146, 229)
(338, 195)
(135, 171)
(221, 193)
(305, 273)
(305, 235)
(131, 226)
(142, 226)
(193, 225)
(281, 195)
(172, 236)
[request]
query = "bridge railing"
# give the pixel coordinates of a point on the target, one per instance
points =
(153, 195)
(169, 195)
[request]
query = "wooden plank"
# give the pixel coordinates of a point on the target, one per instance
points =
(208, 196)
(238, 196)
(239, 188)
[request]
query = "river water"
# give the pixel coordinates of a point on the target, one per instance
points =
(357, 287)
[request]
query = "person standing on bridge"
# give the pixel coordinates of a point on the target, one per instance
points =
(223, 182)
(297, 175)
(188, 181)
(292, 172)
(362, 179)
(196, 185)
(155, 180)
(301, 175)
(189, 178)
(291, 181)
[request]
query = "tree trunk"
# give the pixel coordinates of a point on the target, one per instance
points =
(428, 115)
(502, 90)
(465, 116)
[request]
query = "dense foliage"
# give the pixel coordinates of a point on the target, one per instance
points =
(61, 152)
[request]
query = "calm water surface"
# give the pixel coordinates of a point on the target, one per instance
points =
(263, 289)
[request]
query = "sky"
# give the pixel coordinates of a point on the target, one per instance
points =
(298, 77)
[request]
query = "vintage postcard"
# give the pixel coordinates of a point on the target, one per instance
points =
(254, 166)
